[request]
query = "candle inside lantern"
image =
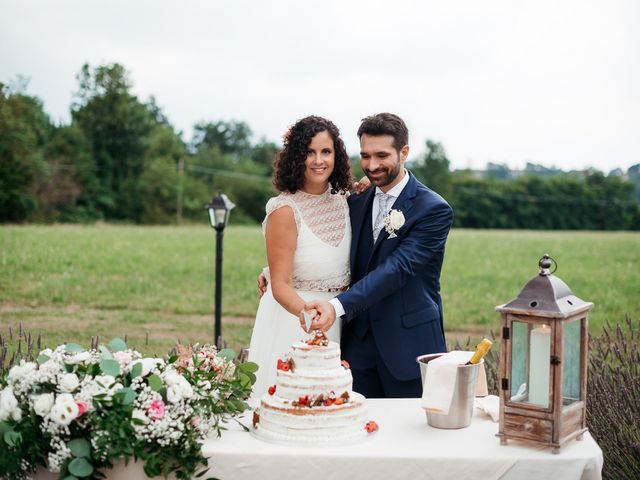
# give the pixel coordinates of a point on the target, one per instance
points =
(539, 357)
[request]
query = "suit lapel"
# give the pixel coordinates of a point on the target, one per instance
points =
(404, 203)
(358, 221)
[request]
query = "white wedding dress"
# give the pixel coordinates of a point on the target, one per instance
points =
(320, 272)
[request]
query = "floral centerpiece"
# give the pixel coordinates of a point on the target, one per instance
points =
(78, 411)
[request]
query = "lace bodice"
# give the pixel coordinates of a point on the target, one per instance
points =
(321, 260)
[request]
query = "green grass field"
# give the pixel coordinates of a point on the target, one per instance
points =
(155, 284)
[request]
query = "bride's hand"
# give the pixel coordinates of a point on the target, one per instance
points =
(362, 185)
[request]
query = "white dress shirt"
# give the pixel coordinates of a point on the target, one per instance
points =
(394, 193)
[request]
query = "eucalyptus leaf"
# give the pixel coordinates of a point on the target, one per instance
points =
(70, 477)
(105, 353)
(80, 467)
(154, 382)
(252, 377)
(245, 381)
(117, 345)
(73, 348)
(80, 447)
(248, 367)
(227, 354)
(110, 367)
(136, 371)
(126, 395)
(5, 427)
(42, 358)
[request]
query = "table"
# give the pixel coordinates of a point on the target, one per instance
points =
(404, 447)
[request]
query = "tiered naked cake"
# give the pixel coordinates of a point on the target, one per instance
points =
(312, 401)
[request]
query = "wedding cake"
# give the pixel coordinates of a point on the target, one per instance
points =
(312, 401)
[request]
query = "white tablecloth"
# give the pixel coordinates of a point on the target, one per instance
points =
(404, 447)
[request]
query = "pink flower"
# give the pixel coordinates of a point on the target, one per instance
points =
(82, 407)
(156, 410)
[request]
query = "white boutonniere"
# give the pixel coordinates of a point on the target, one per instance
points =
(393, 222)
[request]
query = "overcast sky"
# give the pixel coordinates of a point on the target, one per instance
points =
(550, 82)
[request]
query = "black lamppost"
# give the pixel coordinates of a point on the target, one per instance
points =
(219, 208)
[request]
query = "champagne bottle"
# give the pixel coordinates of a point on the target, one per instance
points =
(481, 350)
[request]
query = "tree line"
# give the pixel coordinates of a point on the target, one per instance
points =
(120, 160)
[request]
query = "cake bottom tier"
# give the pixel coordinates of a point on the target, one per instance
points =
(283, 423)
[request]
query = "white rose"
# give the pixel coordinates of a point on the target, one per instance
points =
(140, 415)
(64, 410)
(149, 363)
(42, 403)
(187, 390)
(116, 387)
(396, 219)
(9, 405)
(68, 382)
(80, 357)
(174, 393)
(173, 379)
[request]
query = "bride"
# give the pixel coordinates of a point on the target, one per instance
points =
(307, 235)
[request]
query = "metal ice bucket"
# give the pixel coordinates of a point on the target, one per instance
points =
(461, 410)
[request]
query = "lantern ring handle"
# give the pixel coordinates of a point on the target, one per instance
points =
(548, 257)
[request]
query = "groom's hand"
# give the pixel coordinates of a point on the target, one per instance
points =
(326, 314)
(262, 284)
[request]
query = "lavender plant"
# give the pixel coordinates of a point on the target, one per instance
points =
(613, 402)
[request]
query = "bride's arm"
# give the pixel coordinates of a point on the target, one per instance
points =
(281, 239)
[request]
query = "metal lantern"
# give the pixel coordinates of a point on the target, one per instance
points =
(219, 208)
(543, 362)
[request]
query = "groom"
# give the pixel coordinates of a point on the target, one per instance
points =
(392, 312)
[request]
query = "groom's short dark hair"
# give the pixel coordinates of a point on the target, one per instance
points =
(386, 124)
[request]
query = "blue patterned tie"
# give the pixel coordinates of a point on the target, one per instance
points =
(383, 200)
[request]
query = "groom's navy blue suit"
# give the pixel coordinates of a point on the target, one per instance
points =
(393, 310)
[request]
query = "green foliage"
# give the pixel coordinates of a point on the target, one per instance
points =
(116, 125)
(228, 137)
(24, 130)
(21, 441)
(566, 202)
(433, 169)
(121, 160)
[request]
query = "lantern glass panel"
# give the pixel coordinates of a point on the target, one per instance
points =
(220, 216)
(530, 363)
(519, 361)
(571, 362)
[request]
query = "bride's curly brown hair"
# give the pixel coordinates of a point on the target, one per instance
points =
(289, 165)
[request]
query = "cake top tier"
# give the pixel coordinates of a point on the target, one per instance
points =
(316, 357)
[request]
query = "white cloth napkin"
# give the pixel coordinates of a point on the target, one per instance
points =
(489, 405)
(440, 381)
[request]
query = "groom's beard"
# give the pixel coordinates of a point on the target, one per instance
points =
(389, 175)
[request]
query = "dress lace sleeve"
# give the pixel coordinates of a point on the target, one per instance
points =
(275, 203)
